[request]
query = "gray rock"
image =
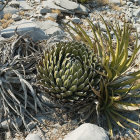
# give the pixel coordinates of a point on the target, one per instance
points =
(14, 4)
(24, 26)
(44, 10)
(136, 25)
(33, 137)
(24, 5)
(102, 26)
(138, 20)
(127, 18)
(87, 131)
(8, 9)
(1, 38)
(76, 20)
(52, 5)
(16, 17)
(51, 28)
(4, 124)
(31, 125)
(67, 4)
(82, 10)
(137, 2)
(136, 13)
(134, 20)
(1, 110)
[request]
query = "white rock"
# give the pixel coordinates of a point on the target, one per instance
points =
(129, 3)
(67, 4)
(24, 26)
(33, 137)
(137, 26)
(115, 1)
(138, 29)
(38, 1)
(16, 17)
(8, 135)
(32, 19)
(87, 131)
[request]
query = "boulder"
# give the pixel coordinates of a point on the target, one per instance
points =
(24, 26)
(66, 6)
(87, 131)
(51, 28)
(50, 4)
(33, 137)
(69, 5)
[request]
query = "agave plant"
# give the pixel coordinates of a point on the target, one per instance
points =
(67, 70)
(119, 91)
(17, 80)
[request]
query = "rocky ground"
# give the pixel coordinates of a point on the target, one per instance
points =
(43, 20)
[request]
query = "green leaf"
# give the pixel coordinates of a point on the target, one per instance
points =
(127, 106)
(125, 118)
(116, 120)
(109, 125)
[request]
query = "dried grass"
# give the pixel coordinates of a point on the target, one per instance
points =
(103, 1)
(51, 18)
(6, 23)
(3, 20)
(56, 11)
(7, 16)
(113, 6)
(21, 13)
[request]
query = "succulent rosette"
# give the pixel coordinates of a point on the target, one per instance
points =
(68, 71)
